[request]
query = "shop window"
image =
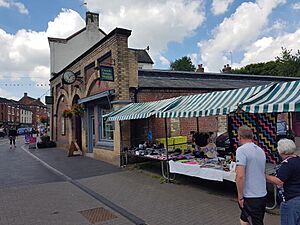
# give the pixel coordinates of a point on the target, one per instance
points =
(106, 128)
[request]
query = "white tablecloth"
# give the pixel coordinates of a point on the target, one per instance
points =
(195, 170)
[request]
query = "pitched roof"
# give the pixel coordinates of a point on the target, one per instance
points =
(166, 79)
(9, 101)
(143, 56)
(4, 100)
(65, 40)
(26, 100)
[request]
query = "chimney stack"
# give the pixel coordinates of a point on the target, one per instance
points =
(25, 94)
(226, 69)
(200, 68)
(92, 21)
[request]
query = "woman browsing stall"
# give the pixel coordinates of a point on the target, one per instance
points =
(205, 145)
(288, 177)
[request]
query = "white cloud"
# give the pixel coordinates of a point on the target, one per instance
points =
(236, 32)
(220, 6)
(163, 60)
(267, 48)
(194, 58)
(279, 25)
(65, 24)
(296, 6)
(153, 22)
(26, 53)
(12, 4)
(4, 3)
(8, 95)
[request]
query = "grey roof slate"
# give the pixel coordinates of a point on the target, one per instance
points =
(143, 56)
(165, 79)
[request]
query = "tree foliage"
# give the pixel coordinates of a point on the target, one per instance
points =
(183, 64)
(286, 64)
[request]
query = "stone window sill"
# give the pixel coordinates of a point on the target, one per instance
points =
(107, 145)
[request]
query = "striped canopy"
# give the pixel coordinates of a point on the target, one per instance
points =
(141, 110)
(280, 97)
(209, 104)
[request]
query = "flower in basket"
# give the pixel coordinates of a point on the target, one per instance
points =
(78, 109)
(67, 113)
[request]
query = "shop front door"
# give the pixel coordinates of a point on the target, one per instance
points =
(78, 131)
(91, 130)
(296, 123)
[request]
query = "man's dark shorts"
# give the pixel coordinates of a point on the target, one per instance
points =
(255, 208)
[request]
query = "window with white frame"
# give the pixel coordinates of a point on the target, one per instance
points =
(106, 128)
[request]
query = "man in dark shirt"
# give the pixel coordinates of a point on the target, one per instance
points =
(12, 133)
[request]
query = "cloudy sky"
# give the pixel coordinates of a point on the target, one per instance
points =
(211, 32)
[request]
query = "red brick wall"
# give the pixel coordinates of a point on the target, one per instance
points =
(99, 86)
(62, 139)
(36, 114)
(3, 112)
(88, 71)
(157, 125)
(154, 95)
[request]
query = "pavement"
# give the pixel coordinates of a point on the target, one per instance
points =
(45, 187)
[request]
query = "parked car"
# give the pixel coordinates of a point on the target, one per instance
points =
(23, 130)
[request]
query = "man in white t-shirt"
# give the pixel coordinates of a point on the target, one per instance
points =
(250, 179)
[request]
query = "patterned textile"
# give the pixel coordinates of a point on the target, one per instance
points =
(264, 130)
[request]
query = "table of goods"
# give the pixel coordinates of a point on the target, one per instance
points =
(217, 169)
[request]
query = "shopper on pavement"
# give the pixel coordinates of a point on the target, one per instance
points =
(250, 179)
(288, 177)
(12, 133)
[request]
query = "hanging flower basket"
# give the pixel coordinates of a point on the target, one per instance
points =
(67, 113)
(78, 110)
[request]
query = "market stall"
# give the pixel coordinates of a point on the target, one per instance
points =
(281, 97)
(208, 104)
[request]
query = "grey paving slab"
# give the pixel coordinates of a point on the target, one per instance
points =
(49, 204)
(169, 204)
(76, 167)
(193, 202)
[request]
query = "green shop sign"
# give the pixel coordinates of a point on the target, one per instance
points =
(106, 73)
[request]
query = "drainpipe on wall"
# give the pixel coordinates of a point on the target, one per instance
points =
(136, 91)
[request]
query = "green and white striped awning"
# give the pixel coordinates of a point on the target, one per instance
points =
(209, 104)
(141, 110)
(280, 97)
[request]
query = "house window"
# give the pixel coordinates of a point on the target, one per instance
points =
(106, 128)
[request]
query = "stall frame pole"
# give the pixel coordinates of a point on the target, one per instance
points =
(289, 121)
(167, 151)
(197, 124)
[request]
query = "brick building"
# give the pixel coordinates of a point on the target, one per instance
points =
(156, 85)
(38, 109)
(108, 76)
(12, 113)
